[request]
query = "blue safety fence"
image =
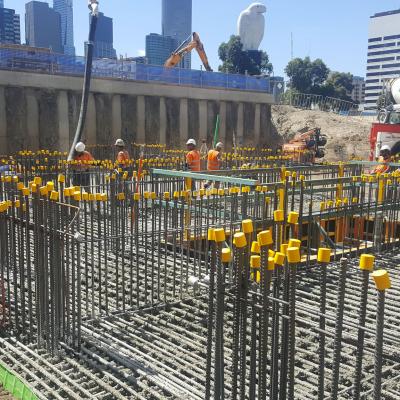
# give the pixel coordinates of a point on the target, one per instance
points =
(59, 64)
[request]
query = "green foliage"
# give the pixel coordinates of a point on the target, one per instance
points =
(306, 75)
(236, 61)
(314, 77)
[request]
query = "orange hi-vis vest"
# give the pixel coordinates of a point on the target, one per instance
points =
(213, 160)
(193, 160)
(82, 160)
(122, 157)
(382, 168)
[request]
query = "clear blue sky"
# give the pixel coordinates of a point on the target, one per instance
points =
(335, 31)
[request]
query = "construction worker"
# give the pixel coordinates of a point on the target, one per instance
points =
(385, 157)
(192, 162)
(81, 167)
(214, 162)
(122, 154)
(192, 156)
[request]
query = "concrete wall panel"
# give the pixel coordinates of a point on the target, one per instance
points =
(48, 119)
(103, 104)
(152, 119)
(16, 115)
(249, 123)
(173, 110)
(129, 118)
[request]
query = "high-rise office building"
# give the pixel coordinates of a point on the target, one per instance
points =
(358, 92)
(1, 3)
(159, 48)
(177, 22)
(42, 26)
(65, 9)
(383, 54)
(103, 45)
(10, 31)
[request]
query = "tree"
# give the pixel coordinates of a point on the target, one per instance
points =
(342, 83)
(236, 61)
(314, 77)
(306, 76)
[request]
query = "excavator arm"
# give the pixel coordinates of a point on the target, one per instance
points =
(182, 50)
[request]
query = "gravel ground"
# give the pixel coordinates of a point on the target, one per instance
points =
(347, 136)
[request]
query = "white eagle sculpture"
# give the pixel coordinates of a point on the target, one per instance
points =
(251, 26)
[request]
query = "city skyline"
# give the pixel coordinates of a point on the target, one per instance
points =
(341, 49)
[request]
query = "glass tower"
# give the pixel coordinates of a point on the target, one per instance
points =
(103, 44)
(159, 48)
(177, 22)
(65, 9)
(42, 26)
(9, 26)
(1, 3)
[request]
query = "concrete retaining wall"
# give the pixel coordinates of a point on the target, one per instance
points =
(39, 111)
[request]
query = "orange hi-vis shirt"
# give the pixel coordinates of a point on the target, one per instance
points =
(382, 168)
(82, 159)
(193, 160)
(213, 160)
(122, 157)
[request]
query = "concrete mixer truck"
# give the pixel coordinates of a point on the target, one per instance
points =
(386, 131)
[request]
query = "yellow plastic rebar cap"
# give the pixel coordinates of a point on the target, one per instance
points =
(247, 226)
(367, 262)
(54, 195)
(284, 248)
(293, 217)
(271, 253)
(279, 259)
(271, 264)
(226, 255)
(219, 235)
(279, 215)
(255, 247)
(239, 240)
(255, 261)
(43, 191)
(265, 238)
(211, 235)
(382, 279)
(324, 255)
(136, 196)
(294, 243)
(293, 255)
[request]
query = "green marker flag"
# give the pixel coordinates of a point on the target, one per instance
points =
(216, 133)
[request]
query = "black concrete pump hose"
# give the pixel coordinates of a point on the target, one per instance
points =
(86, 85)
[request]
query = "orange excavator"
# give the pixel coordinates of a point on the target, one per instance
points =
(306, 146)
(192, 42)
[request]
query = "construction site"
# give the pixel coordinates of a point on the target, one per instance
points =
(138, 271)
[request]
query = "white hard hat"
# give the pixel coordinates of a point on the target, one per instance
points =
(386, 147)
(80, 147)
(191, 141)
(120, 142)
(220, 145)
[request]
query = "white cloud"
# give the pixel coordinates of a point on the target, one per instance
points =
(141, 53)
